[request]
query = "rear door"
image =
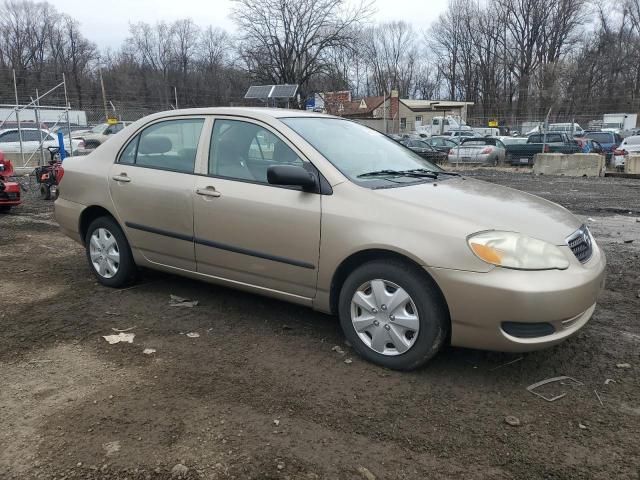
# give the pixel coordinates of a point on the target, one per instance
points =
(247, 230)
(152, 186)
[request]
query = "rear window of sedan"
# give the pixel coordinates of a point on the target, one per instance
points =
(601, 137)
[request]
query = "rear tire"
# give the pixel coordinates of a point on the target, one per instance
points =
(45, 191)
(424, 313)
(109, 253)
(5, 208)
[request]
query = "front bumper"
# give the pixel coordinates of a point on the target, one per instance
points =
(482, 304)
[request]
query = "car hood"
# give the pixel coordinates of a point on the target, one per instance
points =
(479, 206)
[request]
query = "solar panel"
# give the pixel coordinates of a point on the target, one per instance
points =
(261, 92)
(284, 91)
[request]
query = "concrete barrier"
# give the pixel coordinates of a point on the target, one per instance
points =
(632, 164)
(574, 165)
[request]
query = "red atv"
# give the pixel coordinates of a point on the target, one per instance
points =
(49, 176)
(9, 191)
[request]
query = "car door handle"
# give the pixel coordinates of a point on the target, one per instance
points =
(121, 178)
(208, 192)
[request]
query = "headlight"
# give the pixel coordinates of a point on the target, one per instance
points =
(517, 251)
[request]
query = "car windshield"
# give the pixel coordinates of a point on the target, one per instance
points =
(601, 137)
(99, 128)
(356, 150)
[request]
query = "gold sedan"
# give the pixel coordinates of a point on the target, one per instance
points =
(327, 213)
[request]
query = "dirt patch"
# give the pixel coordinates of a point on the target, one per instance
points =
(261, 394)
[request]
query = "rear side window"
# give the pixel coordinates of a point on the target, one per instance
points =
(170, 145)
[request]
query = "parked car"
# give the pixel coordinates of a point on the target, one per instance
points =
(425, 150)
(324, 212)
(99, 134)
(31, 137)
(461, 133)
(443, 144)
(523, 154)
(486, 150)
(627, 146)
(608, 140)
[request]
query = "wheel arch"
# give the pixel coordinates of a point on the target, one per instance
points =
(88, 215)
(353, 261)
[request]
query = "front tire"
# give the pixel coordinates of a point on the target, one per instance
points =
(392, 314)
(109, 254)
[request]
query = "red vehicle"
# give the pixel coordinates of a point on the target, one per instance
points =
(49, 176)
(9, 191)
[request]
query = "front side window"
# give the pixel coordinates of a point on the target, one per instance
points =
(168, 145)
(245, 151)
(356, 150)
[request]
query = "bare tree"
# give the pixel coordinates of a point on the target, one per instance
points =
(287, 41)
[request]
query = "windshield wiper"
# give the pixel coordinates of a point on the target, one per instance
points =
(416, 173)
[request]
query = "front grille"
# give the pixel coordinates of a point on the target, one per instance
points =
(580, 244)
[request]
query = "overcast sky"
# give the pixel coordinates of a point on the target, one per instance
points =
(107, 23)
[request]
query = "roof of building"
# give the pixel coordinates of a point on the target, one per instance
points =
(362, 107)
(420, 105)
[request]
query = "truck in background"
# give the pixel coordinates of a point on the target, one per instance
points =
(47, 115)
(619, 122)
(442, 126)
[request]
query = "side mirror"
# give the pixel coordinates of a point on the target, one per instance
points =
(293, 175)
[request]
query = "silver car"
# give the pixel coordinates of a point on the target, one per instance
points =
(483, 150)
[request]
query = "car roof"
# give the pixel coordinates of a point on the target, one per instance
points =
(22, 128)
(255, 112)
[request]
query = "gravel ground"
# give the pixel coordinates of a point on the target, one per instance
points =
(262, 394)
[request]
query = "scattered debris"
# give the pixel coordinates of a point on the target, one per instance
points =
(118, 330)
(121, 337)
(149, 351)
(609, 380)
(599, 399)
(179, 471)
(276, 422)
(533, 386)
(348, 361)
(176, 301)
(111, 447)
(628, 241)
(280, 466)
(508, 363)
(113, 314)
(511, 420)
(366, 473)
(193, 334)
(582, 427)
(623, 365)
(338, 350)
(590, 219)
(40, 361)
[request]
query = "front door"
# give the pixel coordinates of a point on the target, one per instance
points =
(152, 186)
(247, 230)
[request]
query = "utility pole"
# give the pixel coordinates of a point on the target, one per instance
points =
(15, 89)
(104, 98)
